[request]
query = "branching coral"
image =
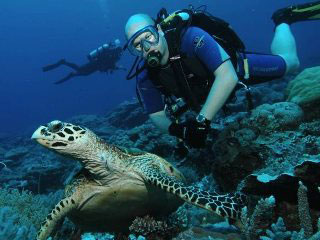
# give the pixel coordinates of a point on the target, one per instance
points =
(304, 212)
(278, 230)
(23, 211)
(9, 227)
(261, 216)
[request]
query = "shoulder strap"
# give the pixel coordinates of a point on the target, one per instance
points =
(182, 82)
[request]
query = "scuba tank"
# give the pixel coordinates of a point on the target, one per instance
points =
(94, 54)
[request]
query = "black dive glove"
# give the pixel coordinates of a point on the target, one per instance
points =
(192, 132)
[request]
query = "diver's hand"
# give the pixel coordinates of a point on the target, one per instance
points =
(192, 132)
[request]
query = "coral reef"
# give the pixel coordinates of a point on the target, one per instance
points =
(258, 221)
(267, 151)
(10, 227)
(264, 143)
(121, 118)
(153, 229)
(279, 231)
(285, 185)
(21, 211)
(305, 91)
(278, 116)
(305, 88)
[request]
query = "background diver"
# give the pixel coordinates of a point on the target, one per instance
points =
(182, 59)
(102, 59)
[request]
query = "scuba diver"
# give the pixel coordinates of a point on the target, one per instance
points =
(190, 60)
(102, 59)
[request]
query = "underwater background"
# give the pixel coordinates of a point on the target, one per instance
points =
(35, 33)
(271, 153)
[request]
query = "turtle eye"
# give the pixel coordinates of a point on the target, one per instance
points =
(55, 127)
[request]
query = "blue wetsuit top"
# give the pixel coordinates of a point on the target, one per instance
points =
(196, 42)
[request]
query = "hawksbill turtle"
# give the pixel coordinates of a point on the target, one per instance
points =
(116, 185)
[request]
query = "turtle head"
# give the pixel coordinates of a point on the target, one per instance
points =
(66, 138)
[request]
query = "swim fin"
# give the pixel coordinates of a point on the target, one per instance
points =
(68, 77)
(53, 66)
(297, 13)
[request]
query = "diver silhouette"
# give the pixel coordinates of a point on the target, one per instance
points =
(102, 59)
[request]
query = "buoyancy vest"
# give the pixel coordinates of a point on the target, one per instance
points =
(188, 77)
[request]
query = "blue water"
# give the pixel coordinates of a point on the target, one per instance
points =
(34, 33)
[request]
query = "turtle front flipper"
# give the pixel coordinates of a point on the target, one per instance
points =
(225, 205)
(55, 216)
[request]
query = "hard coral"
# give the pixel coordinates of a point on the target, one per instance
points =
(278, 116)
(279, 231)
(305, 88)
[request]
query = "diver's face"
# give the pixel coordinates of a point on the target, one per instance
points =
(150, 41)
(146, 42)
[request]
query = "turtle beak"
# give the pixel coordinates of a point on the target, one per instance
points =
(41, 135)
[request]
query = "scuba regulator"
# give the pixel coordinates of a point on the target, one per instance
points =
(154, 58)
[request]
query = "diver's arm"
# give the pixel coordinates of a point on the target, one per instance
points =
(151, 100)
(225, 81)
(216, 59)
(160, 120)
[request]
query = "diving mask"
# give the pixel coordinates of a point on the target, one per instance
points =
(144, 39)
